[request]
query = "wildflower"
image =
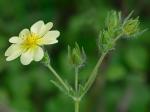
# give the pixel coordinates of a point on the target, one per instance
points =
(29, 43)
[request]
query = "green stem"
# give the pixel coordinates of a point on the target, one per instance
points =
(76, 100)
(93, 75)
(76, 79)
(58, 77)
(77, 104)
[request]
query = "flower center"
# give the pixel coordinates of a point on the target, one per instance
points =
(31, 41)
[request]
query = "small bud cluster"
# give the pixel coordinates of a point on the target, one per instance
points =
(115, 28)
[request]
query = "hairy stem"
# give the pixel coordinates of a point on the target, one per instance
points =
(76, 79)
(76, 100)
(77, 105)
(58, 77)
(93, 75)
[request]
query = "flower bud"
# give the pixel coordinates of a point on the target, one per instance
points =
(76, 56)
(105, 41)
(131, 27)
(113, 20)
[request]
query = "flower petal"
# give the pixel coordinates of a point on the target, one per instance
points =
(27, 57)
(45, 28)
(15, 39)
(13, 52)
(24, 33)
(38, 53)
(11, 49)
(49, 38)
(36, 27)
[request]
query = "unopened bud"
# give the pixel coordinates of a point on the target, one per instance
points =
(113, 20)
(131, 27)
(105, 41)
(76, 56)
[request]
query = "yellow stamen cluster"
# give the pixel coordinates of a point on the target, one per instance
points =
(31, 41)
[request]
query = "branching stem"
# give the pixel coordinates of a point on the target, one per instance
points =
(93, 75)
(58, 77)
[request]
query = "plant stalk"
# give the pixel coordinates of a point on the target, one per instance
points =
(93, 75)
(76, 100)
(76, 79)
(58, 77)
(77, 105)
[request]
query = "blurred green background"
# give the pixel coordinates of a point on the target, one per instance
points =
(123, 85)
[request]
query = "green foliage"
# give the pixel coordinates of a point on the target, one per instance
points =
(137, 59)
(28, 88)
(116, 72)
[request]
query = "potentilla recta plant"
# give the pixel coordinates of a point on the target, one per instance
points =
(29, 44)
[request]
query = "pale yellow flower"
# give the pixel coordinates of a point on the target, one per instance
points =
(29, 43)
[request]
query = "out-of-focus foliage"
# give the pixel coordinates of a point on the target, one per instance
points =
(123, 83)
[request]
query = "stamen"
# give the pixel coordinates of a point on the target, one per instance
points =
(31, 41)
